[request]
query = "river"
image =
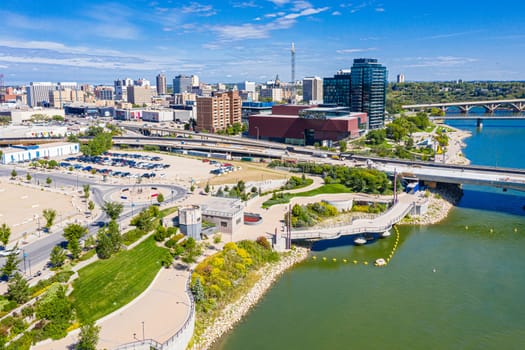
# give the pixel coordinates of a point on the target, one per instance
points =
(456, 285)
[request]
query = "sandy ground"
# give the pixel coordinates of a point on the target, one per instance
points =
(249, 172)
(21, 207)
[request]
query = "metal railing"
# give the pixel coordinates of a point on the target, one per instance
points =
(189, 323)
(352, 230)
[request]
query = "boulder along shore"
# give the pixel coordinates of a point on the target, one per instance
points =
(234, 312)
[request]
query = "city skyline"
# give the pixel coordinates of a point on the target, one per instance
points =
(250, 40)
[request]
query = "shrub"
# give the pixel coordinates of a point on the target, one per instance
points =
(263, 242)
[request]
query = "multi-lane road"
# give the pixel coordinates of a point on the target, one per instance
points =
(37, 252)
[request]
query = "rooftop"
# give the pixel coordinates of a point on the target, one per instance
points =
(220, 206)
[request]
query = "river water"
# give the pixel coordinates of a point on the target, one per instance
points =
(459, 284)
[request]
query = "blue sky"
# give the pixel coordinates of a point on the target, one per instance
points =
(234, 40)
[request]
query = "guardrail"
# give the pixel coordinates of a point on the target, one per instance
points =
(177, 341)
(351, 231)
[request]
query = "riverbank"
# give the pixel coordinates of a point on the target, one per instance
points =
(234, 312)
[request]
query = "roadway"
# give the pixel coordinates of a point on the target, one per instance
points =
(38, 251)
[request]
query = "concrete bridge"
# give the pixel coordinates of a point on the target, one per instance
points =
(380, 224)
(516, 105)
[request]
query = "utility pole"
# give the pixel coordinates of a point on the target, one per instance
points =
(292, 51)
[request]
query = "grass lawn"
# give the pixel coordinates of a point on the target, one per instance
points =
(107, 285)
(324, 189)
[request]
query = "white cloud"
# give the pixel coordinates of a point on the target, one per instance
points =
(279, 2)
(380, 9)
(356, 50)
(259, 31)
(440, 61)
(301, 5)
(199, 9)
(336, 13)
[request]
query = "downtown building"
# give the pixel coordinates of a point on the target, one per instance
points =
(312, 90)
(162, 88)
(183, 83)
(368, 93)
(362, 89)
(218, 111)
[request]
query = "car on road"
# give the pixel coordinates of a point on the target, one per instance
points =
(6, 252)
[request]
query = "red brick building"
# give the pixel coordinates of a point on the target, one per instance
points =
(296, 124)
(219, 111)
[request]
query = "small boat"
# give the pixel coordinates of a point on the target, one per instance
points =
(385, 234)
(359, 241)
(380, 262)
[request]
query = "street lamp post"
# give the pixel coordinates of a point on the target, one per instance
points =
(143, 338)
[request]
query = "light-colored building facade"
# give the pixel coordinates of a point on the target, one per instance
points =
(219, 111)
(157, 116)
(140, 95)
(38, 92)
(190, 221)
(400, 78)
(18, 154)
(226, 213)
(121, 89)
(313, 90)
(273, 94)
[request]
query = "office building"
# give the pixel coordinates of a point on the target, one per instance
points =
(218, 111)
(275, 94)
(307, 125)
(139, 95)
(63, 96)
(162, 88)
(182, 83)
(141, 82)
(104, 92)
(38, 93)
(336, 90)
(313, 90)
(400, 78)
(121, 89)
(368, 90)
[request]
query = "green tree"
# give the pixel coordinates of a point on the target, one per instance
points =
(13, 173)
(342, 146)
(86, 189)
(88, 337)
(57, 118)
(160, 198)
(57, 256)
(52, 164)
(192, 188)
(91, 205)
(50, 216)
(49, 181)
(56, 310)
(11, 264)
(104, 247)
(207, 188)
(376, 137)
(197, 290)
(114, 235)
(73, 233)
(28, 177)
(112, 209)
(18, 289)
(5, 232)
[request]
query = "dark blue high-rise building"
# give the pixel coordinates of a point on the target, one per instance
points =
(336, 90)
(182, 83)
(368, 93)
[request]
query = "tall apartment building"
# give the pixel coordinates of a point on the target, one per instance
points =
(336, 90)
(368, 93)
(38, 92)
(121, 89)
(139, 95)
(162, 87)
(104, 92)
(182, 83)
(219, 111)
(400, 78)
(312, 90)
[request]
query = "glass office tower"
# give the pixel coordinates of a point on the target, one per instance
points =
(368, 93)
